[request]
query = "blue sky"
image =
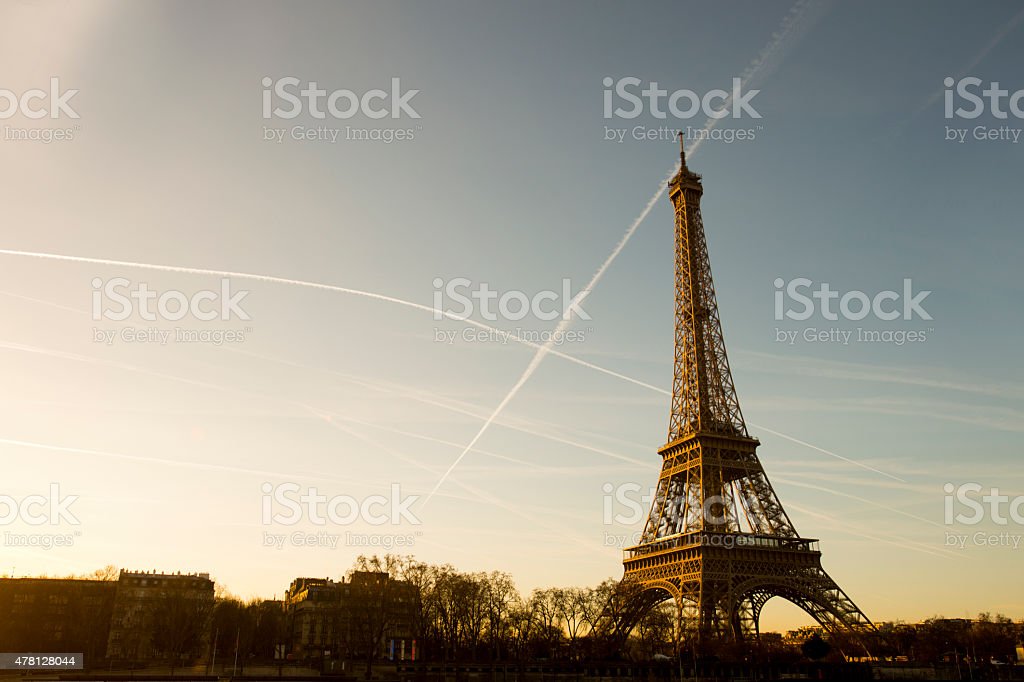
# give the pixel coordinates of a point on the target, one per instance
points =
(509, 180)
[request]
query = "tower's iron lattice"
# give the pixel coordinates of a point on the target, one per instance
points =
(717, 540)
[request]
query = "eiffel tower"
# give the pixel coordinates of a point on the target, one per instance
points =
(717, 540)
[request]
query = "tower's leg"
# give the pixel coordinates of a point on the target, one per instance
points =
(745, 625)
(757, 602)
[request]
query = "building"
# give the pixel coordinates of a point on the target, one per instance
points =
(312, 618)
(381, 614)
(56, 615)
(796, 638)
(327, 619)
(160, 616)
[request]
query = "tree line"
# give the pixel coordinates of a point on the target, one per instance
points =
(482, 616)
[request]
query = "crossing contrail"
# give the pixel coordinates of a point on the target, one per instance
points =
(376, 386)
(313, 285)
(791, 22)
(367, 294)
(203, 466)
(1003, 31)
(407, 392)
(241, 275)
(817, 486)
(846, 528)
(514, 509)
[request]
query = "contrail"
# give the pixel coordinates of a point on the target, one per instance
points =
(828, 452)
(242, 275)
(817, 486)
(203, 384)
(150, 460)
(789, 24)
(327, 415)
(45, 302)
(515, 510)
(996, 39)
(901, 542)
(314, 285)
(346, 290)
(443, 405)
(199, 465)
(406, 392)
(410, 395)
(538, 357)
(317, 411)
(22, 348)
(207, 385)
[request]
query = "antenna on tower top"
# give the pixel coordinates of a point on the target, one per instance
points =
(682, 149)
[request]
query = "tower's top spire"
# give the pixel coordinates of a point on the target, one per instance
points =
(685, 177)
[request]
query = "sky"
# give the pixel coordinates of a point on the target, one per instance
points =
(505, 168)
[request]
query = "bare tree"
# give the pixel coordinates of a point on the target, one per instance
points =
(571, 606)
(655, 632)
(180, 623)
(500, 596)
(373, 595)
(522, 627)
(108, 572)
(546, 609)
